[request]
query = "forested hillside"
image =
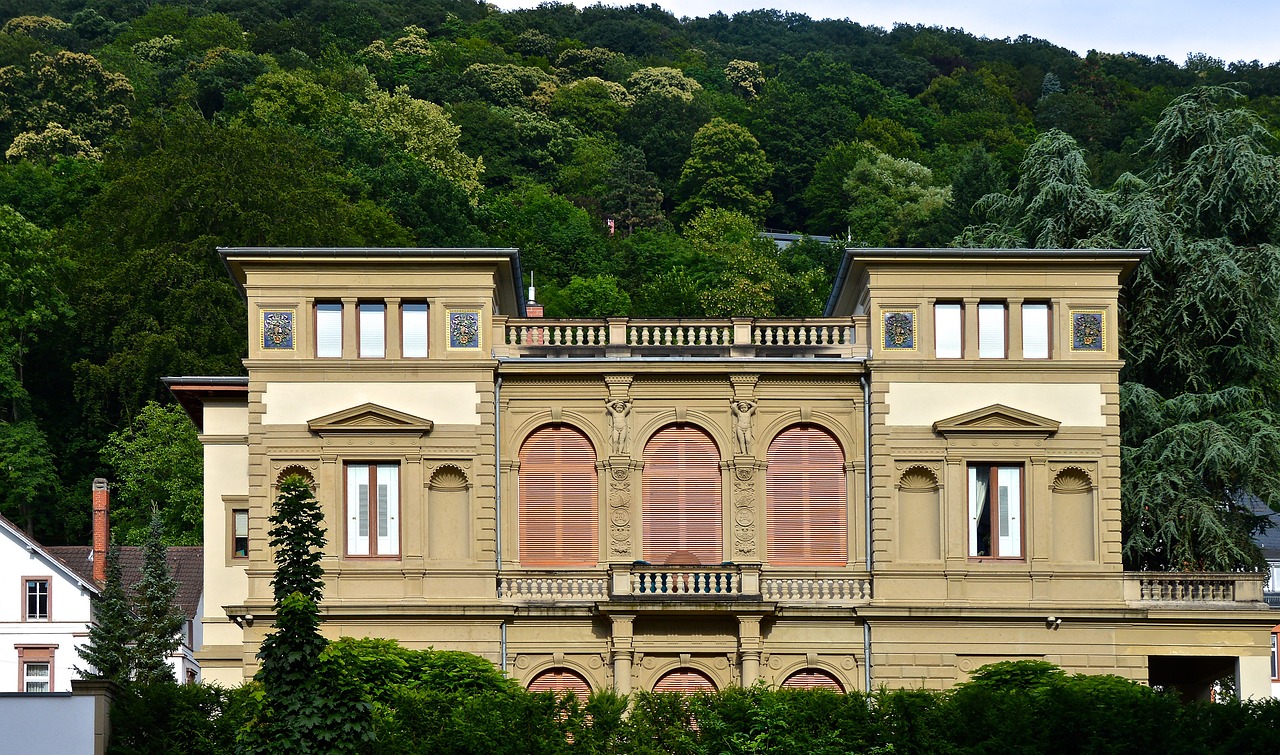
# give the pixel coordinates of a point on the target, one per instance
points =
(632, 156)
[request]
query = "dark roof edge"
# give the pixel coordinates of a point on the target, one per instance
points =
(57, 563)
(230, 380)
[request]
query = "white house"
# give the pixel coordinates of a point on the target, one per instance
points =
(44, 615)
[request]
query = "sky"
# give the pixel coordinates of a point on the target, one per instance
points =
(1228, 29)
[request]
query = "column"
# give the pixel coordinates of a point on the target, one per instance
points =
(749, 647)
(623, 651)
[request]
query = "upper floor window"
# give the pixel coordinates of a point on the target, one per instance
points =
(36, 604)
(240, 533)
(681, 499)
(373, 330)
(995, 511)
(948, 330)
(329, 329)
(373, 509)
(558, 493)
(991, 331)
(1035, 331)
(413, 330)
(807, 504)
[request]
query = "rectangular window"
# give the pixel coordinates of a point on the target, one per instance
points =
(373, 330)
(1035, 331)
(991, 325)
(329, 330)
(37, 599)
(36, 677)
(240, 533)
(373, 510)
(1275, 661)
(947, 330)
(413, 330)
(35, 667)
(995, 511)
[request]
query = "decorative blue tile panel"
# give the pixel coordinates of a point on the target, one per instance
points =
(900, 330)
(1087, 331)
(277, 329)
(464, 330)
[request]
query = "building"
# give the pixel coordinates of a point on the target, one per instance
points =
(44, 615)
(920, 482)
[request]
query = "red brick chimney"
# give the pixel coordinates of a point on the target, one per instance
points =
(101, 529)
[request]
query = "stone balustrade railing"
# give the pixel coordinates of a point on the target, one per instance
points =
(816, 588)
(553, 587)
(726, 582)
(741, 337)
(1191, 588)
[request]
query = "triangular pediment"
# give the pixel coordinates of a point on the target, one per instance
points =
(370, 418)
(996, 418)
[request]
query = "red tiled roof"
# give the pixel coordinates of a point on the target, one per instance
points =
(186, 566)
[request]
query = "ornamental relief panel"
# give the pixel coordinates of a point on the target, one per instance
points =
(619, 512)
(744, 513)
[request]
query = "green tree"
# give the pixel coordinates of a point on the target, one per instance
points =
(159, 626)
(423, 130)
(596, 297)
(158, 464)
(114, 629)
(309, 704)
(727, 170)
(892, 200)
(631, 196)
(67, 88)
(1200, 419)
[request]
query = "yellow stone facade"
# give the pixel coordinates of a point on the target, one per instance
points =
(918, 600)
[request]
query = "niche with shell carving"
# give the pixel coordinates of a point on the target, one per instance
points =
(296, 469)
(1074, 516)
(919, 535)
(449, 515)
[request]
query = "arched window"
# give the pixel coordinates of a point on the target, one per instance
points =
(682, 507)
(684, 681)
(813, 679)
(560, 680)
(558, 493)
(807, 506)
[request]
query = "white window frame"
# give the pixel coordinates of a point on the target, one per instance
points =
(992, 323)
(948, 330)
(415, 318)
(999, 507)
(1035, 330)
(29, 679)
(373, 329)
(373, 521)
(238, 517)
(27, 613)
(329, 330)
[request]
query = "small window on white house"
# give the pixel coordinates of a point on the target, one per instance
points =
(991, 327)
(373, 330)
(413, 330)
(947, 329)
(37, 600)
(329, 330)
(1035, 331)
(35, 677)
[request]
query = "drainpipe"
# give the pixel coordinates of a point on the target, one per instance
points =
(497, 508)
(866, 446)
(497, 473)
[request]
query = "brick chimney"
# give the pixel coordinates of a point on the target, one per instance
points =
(101, 529)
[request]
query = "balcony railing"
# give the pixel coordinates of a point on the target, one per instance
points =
(553, 587)
(816, 588)
(620, 336)
(1189, 589)
(726, 582)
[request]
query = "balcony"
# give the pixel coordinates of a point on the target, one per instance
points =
(832, 337)
(1193, 590)
(649, 583)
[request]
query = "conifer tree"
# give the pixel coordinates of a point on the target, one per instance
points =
(159, 620)
(108, 652)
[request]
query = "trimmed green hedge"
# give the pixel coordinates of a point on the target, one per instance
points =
(451, 703)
